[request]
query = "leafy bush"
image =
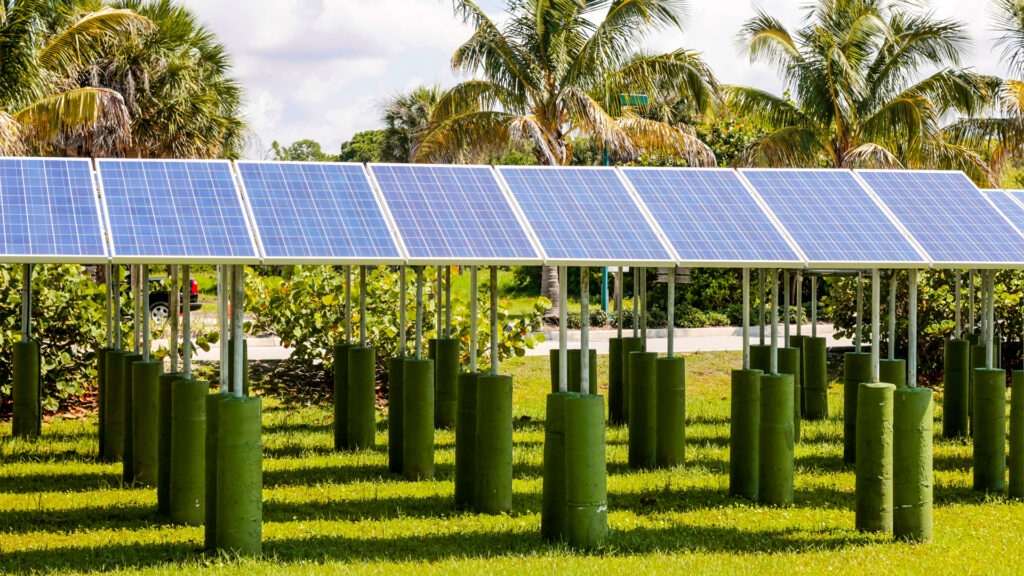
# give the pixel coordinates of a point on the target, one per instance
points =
(626, 317)
(656, 317)
(716, 319)
(689, 317)
(599, 318)
(573, 320)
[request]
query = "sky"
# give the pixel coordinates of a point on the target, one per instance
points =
(320, 69)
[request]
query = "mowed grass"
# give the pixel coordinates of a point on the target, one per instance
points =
(327, 513)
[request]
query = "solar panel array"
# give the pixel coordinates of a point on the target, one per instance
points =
(323, 212)
(1009, 202)
(446, 213)
(948, 216)
(584, 215)
(49, 212)
(709, 216)
(832, 218)
(175, 211)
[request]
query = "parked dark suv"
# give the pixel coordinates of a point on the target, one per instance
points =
(159, 297)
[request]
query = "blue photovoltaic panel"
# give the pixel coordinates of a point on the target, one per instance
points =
(175, 211)
(49, 212)
(832, 218)
(948, 216)
(319, 211)
(452, 213)
(1008, 202)
(710, 216)
(584, 214)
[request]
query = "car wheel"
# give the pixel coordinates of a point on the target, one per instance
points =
(159, 312)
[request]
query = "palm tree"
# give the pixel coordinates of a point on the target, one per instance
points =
(557, 69)
(37, 111)
(406, 116)
(857, 97)
(1005, 129)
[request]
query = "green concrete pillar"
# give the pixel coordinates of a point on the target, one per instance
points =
(418, 423)
(493, 494)
(395, 417)
(957, 383)
(188, 473)
(629, 345)
(586, 489)
(670, 411)
(989, 430)
(893, 372)
(744, 431)
(101, 395)
(553, 513)
(573, 370)
(163, 466)
(643, 439)
(362, 397)
(912, 470)
(797, 343)
(977, 361)
(25, 389)
(856, 371)
(114, 429)
(789, 363)
(127, 452)
(213, 402)
(775, 460)
(341, 397)
(874, 467)
(1016, 460)
(146, 421)
(446, 354)
(760, 357)
(616, 415)
(465, 440)
(240, 477)
(815, 378)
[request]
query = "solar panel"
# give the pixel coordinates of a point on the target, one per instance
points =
(324, 212)
(49, 211)
(447, 214)
(832, 218)
(1009, 203)
(948, 216)
(709, 216)
(175, 211)
(585, 215)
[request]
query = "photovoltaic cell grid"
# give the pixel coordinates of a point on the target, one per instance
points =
(174, 211)
(831, 217)
(1007, 201)
(710, 216)
(948, 216)
(584, 214)
(48, 210)
(316, 211)
(453, 213)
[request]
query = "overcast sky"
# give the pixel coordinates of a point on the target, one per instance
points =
(320, 68)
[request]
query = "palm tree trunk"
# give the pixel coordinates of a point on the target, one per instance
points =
(549, 289)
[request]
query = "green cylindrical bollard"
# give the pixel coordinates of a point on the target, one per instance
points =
(586, 488)
(977, 361)
(629, 345)
(240, 477)
(856, 371)
(744, 431)
(874, 457)
(101, 395)
(670, 411)
(27, 417)
(956, 401)
(797, 343)
(973, 338)
(493, 493)
(616, 415)
(893, 372)
(447, 364)
(553, 513)
(395, 417)
(213, 402)
(188, 492)
(912, 470)
(815, 378)
(127, 452)
(362, 397)
(418, 423)
(465, 440)
(989, 430)
(114, 429)
(760, 357)
(572, 376)
(163, 449)
(643, 439)
(341, 397)
(775, 446)
(1016, 460)
(245, 363)
(789, 363)
(146, 421)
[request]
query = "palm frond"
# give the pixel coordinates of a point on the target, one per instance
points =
(658, 137)
(765, 109)
(78, 43)
(678, 75)
(787, 147)
(1009, 18)
(765, 39)
(871, 155)
(94, 116)
(473, 132)
(11, 143)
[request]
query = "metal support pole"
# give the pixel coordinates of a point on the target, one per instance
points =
(876, 328)
(618, 304)
(672, 311)
(814, 306)
(860, 313)
(957, 306)
(237, 310)
(494, 321)
(799, 303)
(912, 329)
(145, 312)
(115, 276)
(186, 325)
(362, 306)
(419, 312)
(110, 306)
(222, 314)
(137, 308)
(643, 309)
(746, 318)
(438, 295)
(604, 288)
(447, 302)
(173, 306)
(348, 304)
(636, 302)
(26, 302)
(473, 313)
(563, 331)
(786, 315)
(774, 361)
(990, 314)
(761, 302)
(970, 301)
(892, 315)
(402, 337)
(584, 331)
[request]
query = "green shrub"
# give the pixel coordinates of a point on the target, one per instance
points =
(599, 318)
(716, 319)
(690, 317)
(573, 320)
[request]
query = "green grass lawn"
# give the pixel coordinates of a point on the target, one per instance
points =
(325, 513)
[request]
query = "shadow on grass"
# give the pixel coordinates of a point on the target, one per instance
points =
(668, 498)
(60, 482)
(82, 518)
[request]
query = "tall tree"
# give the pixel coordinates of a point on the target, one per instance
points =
(858, 96)
(557, 69)
(405, 117)
(301, 151)
(39, 112)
